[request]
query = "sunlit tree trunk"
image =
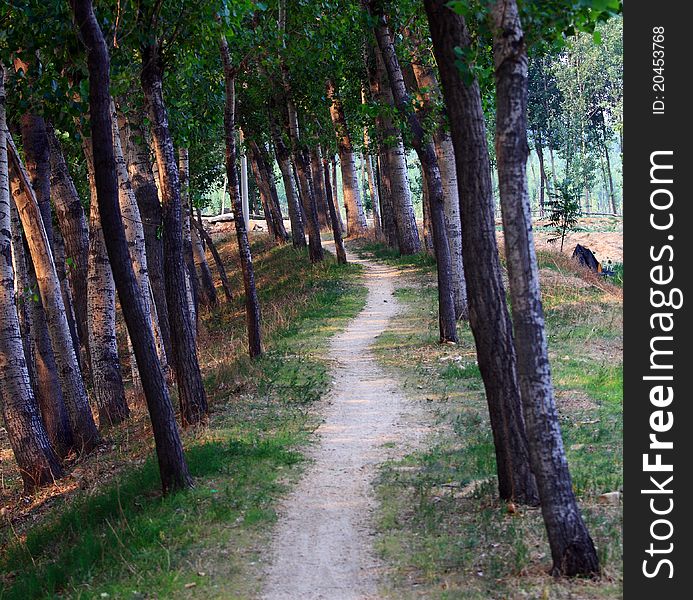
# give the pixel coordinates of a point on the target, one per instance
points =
(572, 548)
(86, 436)
(488, 313)
(191, 392)
(252, 305)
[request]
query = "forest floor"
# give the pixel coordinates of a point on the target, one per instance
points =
(441, 530)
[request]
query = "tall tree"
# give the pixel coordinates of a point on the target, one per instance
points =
(172, 465)
(252, 304)
(572, 549)
(488, 314)
(37, 461)
(429, 164)
(191, 392)
(86, 436)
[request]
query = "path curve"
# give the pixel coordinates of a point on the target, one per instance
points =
(322, 544)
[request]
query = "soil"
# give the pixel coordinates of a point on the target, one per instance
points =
(323, 543)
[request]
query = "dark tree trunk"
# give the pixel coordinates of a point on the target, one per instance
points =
(252, 305)
(488, 313)
(172, 465)
(429, 165)
(61, 271)
(73, 226)
(264, 179)
(37, 162)
(147, 195)
(336, 230)
(197, 224)
(188, 254)
(191, 392)
(572, 549)
(319, 185)
(544, 182)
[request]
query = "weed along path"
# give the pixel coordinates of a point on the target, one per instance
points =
(322, 546)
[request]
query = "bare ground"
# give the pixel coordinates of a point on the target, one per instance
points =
(322, 545)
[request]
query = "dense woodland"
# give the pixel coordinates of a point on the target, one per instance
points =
(414, 123)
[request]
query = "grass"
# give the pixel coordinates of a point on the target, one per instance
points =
(442, 530)
(118, 538)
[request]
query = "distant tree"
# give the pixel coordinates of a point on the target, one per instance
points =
(564, 207)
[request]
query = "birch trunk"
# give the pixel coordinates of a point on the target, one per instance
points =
(252, 305)
(86, 436)
(572, 548)
(335, 194)
(488, 313)
(101, 305)
(336, 230)
(172, 465)
(61, 270)
(355, 215)
(192, 290)
(429, 165)
(134, 234)
(147, 195)
(28, 438)
(191, 392)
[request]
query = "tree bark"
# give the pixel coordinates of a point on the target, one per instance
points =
(134, 234)
(193, 290)
(429, 165)
(101, 304)
(331, 205)
(191, 392)
(204, 273)
(172, 465)
(372, 185)
(37, 163)
(61, 271)
(355, 215)
(488, 313)
(572, 549)
(86, 436)
(398, 217)
(197, 224)
(252, 304)
(319, 185)
(28, 438)
(268, 192)
(73, 226)
(147, 195)
(37, 343)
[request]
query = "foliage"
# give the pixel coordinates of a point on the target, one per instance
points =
(564, 207)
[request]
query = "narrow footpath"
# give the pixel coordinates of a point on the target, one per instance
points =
(323, 543)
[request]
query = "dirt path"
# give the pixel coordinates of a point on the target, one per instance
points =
(322, 545)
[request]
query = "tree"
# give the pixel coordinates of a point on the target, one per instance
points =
(169, 449)
(252, 305)
(37, 461)
(572, 548)
(429, 164)
(565, 211)
(488, 314)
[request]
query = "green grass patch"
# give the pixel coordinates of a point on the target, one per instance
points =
(123, 539)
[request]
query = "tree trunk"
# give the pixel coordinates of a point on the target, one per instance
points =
(147, 195)
(204, 273)
(426, 209)
(73, 226)
(268, 193)
(319, 185)
(61, 271)
(488, 313)
(38, 351)
(86, 436)
(335, 193)
(298, 235)
(28, 438)
(37, 163)
(172, 465)
(191, 392)
(331, 205)
(300, 157)
(572, 549)
(134, 234)
(101, 304)
(193, 291)
(544, 181)
(401, 221)
(197, 224)
(372, 185)
(429, 165)
(355, 215)
(252, 305)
